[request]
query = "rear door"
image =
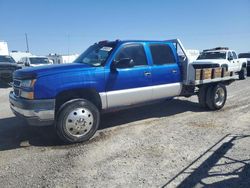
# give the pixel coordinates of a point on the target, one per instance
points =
(128, 86)
(166, 74)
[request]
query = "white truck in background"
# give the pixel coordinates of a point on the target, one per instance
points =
(35, 61)
(18, 55)
(222, 57)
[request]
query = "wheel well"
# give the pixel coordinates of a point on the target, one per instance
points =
(89, 94)
(244, 65)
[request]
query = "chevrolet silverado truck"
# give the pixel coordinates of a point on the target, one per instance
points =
(112, 75)
(222, 57)
(7, 67)
(247, 56)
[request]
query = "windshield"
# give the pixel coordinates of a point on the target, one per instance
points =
(6, 59)
(212, 55)
(39, 60)
(96, 55)
(246, 55)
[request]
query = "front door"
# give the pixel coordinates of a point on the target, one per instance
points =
(128, 86)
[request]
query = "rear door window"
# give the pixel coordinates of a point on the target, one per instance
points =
(162, 54)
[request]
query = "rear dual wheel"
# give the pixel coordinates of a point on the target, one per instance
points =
(213, 96)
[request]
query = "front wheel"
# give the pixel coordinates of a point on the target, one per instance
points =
(216, 97)
(77, 121)
(243, 73)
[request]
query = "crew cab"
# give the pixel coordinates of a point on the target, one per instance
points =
(112, 75)
(35, 61)
(247, 56)
(7, 67)
(222, 57)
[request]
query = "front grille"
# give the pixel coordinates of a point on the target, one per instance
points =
(16, 83)
(16, 87)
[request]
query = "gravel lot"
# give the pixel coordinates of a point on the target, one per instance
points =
(169, 144)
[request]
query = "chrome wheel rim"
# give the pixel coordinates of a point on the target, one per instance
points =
(79, 122)
(219, 96)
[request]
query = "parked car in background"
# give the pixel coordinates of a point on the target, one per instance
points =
(35, 61)
(7, 67)
(247, 56)
(222, 57)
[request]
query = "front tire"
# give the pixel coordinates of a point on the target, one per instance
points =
(216, 97)
(77, 121)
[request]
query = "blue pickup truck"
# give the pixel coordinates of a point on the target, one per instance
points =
(111, 75)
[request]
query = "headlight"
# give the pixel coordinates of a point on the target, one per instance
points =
(27, 95)
(27, 89)
(28, 83)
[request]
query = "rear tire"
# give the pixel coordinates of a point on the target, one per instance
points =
(216, 97)
(202, 96)
(77, 121)
(243, 73)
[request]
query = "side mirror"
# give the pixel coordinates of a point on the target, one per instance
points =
(230, 58)
(26, 64)
(123, 63)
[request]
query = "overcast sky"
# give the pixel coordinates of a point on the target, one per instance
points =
(70, 26)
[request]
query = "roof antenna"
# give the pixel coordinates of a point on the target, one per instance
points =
(27, 43)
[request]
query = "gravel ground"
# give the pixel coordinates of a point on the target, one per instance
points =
(168, 144)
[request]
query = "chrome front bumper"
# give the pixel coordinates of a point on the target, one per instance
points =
(36, 112)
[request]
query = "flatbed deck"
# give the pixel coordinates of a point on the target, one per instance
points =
(206, 81)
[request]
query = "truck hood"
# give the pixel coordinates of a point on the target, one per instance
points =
(35, 72)
(210, 61)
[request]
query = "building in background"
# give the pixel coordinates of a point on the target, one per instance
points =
(61, 59)
(193, 54)
(4, 48)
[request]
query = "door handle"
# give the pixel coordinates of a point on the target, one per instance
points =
(174, 71)
(147, 73)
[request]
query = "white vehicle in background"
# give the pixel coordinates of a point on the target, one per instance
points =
(35, 61)
(18, 55)
(222, 57)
